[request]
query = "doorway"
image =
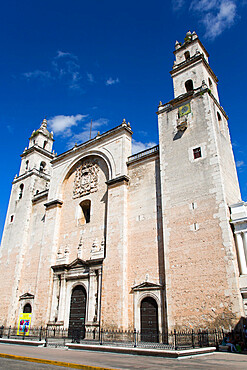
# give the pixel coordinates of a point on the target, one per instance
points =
(149, 320)
(77, 313)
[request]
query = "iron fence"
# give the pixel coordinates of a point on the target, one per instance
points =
(58, 336)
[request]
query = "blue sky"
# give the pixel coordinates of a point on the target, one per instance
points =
(73, 61)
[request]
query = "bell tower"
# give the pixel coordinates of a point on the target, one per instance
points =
(29, 189)
(198, 183)
(191, 68)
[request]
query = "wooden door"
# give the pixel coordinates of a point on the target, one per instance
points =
(149, 320)
(77, 312)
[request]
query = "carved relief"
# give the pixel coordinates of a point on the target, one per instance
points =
(86, 179)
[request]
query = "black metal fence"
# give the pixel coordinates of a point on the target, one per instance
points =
(57, 336)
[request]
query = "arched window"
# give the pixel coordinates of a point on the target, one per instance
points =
(189, 85)
(27, 308)
(187, 55)
(42, 166)
(85, 211)
(27, 163)
(210, 82)
(45, 143)
(21, 191)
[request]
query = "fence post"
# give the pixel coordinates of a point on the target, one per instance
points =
(192, 339)
(46, 334)
(135, 337)
(101, 336)
(9, 331)
(175, 340)
(216, 339)
(40, 334)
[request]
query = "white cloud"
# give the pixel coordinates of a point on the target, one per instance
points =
(62, 54)
(63, 67)
(90, 77)
(37, 74)
(138, 146)
(225, 18)
(112, 81)
(61, 124)
(177, 4)
(240, 164)
(84, 134)
(215, 15)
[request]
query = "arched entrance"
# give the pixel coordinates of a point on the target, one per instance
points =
(77, 313)
(27, 308)
(149, 320)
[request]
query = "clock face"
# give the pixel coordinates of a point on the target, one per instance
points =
(184, 109)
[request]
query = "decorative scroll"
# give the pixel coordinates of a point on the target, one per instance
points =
(86, 179)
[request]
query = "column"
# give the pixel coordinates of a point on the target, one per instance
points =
(245, 244)
(55, 295)
(62, 297)
(99, 293)
(91, 296)
(241, 254)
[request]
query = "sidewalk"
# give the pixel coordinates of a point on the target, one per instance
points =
(90, 360)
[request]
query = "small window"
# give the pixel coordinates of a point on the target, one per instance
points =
(210, 82)
(45, 143)
(27, 163)
(219, 117)
(189, 85)
(187, 55)
(42, 166)
(27, 308)
(11, 218)
(197, 153)
(21, 191)
(85, 211)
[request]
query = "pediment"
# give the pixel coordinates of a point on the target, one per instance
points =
(27, 296)
(77, 263)
(147, 286)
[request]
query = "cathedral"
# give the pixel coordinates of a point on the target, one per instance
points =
(97, 237)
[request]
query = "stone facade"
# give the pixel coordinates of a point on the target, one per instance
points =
(137, 233)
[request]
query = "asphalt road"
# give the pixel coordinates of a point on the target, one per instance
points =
(118, 361)
(8, 364)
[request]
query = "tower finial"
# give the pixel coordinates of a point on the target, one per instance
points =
(44, 123)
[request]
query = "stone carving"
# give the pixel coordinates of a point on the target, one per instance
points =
(86, 179)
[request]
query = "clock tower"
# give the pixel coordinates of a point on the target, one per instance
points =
(198, 183)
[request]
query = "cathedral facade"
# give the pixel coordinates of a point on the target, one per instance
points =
(97, 237)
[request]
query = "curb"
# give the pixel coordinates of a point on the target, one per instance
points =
(52, 362)
(143, 351)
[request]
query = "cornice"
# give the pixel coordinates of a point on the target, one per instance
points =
(193, 60)
(53, 203)
(118, 180)
(91, 143)
(32, 172)
(36, 148)
(176, 102)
